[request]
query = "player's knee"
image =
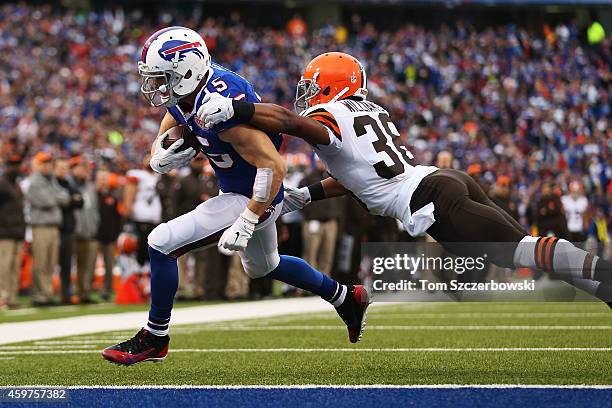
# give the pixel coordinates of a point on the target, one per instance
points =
(259, 268)
(159, 238)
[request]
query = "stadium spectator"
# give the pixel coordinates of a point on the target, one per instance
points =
(45, 197)
(66, 181)
(12, 232)
(575, 206)
(143, 206)
(111, 223)
(320, 226)
(87, 220)
(550, 219)
(445, 160)
(503, 199)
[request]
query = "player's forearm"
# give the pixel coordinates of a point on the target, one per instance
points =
(267, 117)
(332, 188)
(167, 123)
(270, 175)
(276, 119)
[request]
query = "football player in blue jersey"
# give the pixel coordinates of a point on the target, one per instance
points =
(177, 73)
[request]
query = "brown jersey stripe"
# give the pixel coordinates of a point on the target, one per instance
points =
(324, 113)
(587, 266)
(329, 123)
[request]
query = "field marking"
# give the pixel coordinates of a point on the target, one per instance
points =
(76, 342)
(247, 327)
(329, 350)
(7, 358)
(314, 386)
(97, 323)
(536, 315)
(44, 347)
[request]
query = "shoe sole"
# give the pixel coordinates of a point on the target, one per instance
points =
(157, 360)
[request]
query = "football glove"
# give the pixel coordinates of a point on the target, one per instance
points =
(164, 160)
(215, 109)
(236, 237)
(295, 199)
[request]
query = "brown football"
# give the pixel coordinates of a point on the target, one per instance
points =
(178, 132)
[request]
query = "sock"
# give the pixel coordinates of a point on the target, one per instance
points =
(601, 291)
(297, 272)
(164, 283)
(560, 256)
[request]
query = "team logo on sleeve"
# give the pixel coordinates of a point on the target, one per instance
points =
(169, 48)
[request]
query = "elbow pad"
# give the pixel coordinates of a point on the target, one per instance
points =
(262, 185)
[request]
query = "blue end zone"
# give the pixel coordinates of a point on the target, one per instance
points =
(337, 397)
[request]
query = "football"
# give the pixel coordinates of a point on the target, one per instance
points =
(181, 132)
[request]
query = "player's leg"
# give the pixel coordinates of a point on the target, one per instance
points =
(261, 258)
(201, 227)
(460, 218)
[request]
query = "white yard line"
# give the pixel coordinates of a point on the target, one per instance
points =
(75, 342)
(340, 327)
(313, 386)
(50, 347)
(332, 350)
(73, 326)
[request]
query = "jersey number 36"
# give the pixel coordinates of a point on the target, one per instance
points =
(387, 142)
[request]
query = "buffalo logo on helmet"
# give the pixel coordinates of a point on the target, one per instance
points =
(171, 47)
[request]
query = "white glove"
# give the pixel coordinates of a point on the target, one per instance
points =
(215, 109)
(236, 237)
(164, 160)
(295, 199)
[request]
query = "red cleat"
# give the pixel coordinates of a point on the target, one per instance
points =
(353, 311)
(144, 346)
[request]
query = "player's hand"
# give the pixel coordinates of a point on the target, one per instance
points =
(295, 199)
(236, 237)
(215, 109)
(164, 160)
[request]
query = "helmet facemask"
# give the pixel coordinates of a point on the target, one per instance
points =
(306, 90)
(158, 86)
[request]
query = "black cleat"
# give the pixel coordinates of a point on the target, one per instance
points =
(144, 346)
(353, 311)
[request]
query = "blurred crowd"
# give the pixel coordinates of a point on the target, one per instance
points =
(525, 111)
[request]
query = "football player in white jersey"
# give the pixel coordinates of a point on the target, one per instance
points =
(363, 153)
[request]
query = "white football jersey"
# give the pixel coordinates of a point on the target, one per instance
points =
(574, 212)
(147, 205)
(367, 157)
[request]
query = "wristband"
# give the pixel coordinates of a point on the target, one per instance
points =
(317, 192)
(250, 216)
(243, 111)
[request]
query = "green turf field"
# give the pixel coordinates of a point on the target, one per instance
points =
(425, 343)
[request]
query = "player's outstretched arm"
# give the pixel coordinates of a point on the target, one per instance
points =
(256, 148)
(265, 116)
(166, 124)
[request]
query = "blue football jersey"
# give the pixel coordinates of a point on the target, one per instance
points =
(235, 174)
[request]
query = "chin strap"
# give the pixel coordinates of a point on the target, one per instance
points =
(339, 94)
